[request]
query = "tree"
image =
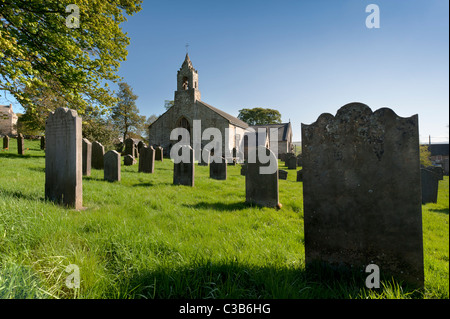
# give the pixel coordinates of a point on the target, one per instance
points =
(125, 115)
(40, 44)
(425, 155)
(259, 116)
(168, 104)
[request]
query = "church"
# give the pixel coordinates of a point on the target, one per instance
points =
(188, 107)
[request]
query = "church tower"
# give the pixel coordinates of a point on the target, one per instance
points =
(187, 83)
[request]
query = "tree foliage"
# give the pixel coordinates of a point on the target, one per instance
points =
(425, 155)
(125, 114)
(259, 116)
(37, 48)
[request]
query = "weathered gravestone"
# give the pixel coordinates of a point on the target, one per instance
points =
(111, 166)
(140, 144)
(87, 156)
(128, 160)
(218, 170)
(98, 151)
(42, 142)
(291, 162)
(63, 158)
(430, 185)
(361, 192)
(147, 160)
(6, 142)
(282, 174)
(299, 160)
(131, 148)
(204, 158)
(261, 181)
(20, 144)
(437, 170)
(159, 153)
(183, 171)
(244, 169)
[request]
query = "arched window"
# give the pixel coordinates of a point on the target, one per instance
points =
(185, 84)
(184, 123)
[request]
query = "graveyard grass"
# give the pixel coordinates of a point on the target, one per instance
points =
(146, 238)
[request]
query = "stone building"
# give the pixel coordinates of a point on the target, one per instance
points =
(188, 107)
(8, 120)
(284, 136)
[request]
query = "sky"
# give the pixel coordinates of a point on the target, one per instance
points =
(301, 57)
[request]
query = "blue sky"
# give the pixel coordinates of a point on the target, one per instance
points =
(303, 58)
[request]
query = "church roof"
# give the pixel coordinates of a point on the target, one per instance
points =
(233, 120)
(283, 129)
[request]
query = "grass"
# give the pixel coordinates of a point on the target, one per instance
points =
(146, 238)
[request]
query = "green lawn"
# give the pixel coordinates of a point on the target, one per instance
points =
(145, 238)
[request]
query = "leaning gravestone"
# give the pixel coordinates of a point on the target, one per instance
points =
(261, 187)
(6, 142)
(218, 170)
(98, 151)
(282, 174)
(291, 162)
(20, 144)
(87, 156)
(361, 192)
(111, 166)
(430, 185)
(147, 160)
(128, 160)
(159, 153)
(63, 158)
(183, 173)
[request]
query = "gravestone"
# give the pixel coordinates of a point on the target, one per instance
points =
(139, 147)
(111, 166)
(98, 151)
(42, 142)
(437, 170)
(63, 158)
(20, 144)
(243, 169)
(361, 192)
(183, 173)
(147, 160)
(300, 175)
(131, 148)
(299, 160)
(430, 185)
(87, 156)
(201, 160)
(291, 162)
(282, 174)
(218, 170)
(128, 160)
(159, 153)
(6, 142)
(261, 188)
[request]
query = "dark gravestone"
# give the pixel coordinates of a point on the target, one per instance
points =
(87, 156)
(300, 175)
(218, 170)
(128, 160)
(20, 144)
(243, 169)
(111, 166)
(437, 170)
(129, 147)
(204, 159)
(291, 162)
(287, 156)
(147, 160)
(159, 153)
(299, 160)
(140, 144)
(42, 142)
(261, 183)
(361, 192)
(282, 174)
(183, 172)
(6, 142)
(98, 151)
(430, 185)
(63, 158)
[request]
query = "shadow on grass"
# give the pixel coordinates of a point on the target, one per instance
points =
(21, 195)
(37, 169)
(442, 210)
(25, 156)
(220, 206)
(232, 280)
